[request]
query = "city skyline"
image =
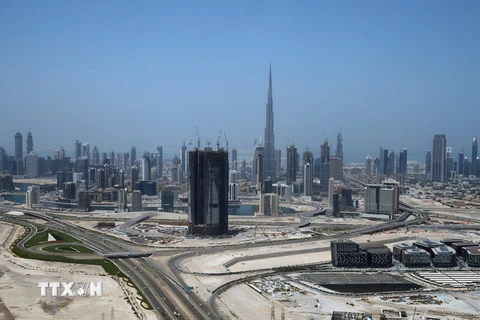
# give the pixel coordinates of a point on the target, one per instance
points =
(168, 59)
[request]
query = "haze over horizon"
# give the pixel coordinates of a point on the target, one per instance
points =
(122, 74)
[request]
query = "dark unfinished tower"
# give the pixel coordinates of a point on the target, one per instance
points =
(208, 196)
(269, 146)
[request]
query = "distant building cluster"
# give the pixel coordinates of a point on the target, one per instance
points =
(420, 254)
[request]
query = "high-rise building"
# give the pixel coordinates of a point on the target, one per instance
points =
(460, 163)
(259, 171)
(133, 156)
(86, 150)
(208, 197)
(391, 164)
(243, 169)
(368, 166)
(95, 157)
(168, 201)
(33, 196)
(159, 161)
(84, 201)
(269, 204)
(31, 164)
(331, 191)
(474, 170)
(376, 166)
(278, 162)
(29, 142)
(308, 180)
(449, 165)
(339, 153)
(439, 158)
(134, 176)
(2, 161)
(184, 158)
(325, 166)
(269, 146)
(428, 165)
(112, 158)
(383, 161)
(292, 164)
(255, 168)
(335, 170)
(233, 192)
(122, 199)
(18, 146)
(234, 159)
(136, 201)
(403, 162)
(176, 161)
(145, 168)
(78, 149)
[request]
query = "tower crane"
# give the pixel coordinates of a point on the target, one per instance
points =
(198, 137)
(226, 141)
(218, 140)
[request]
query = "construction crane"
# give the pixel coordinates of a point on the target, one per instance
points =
(198, 137)
(226, 141)
(218, 140)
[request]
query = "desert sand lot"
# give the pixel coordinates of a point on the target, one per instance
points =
(246, 303)
(20, 293)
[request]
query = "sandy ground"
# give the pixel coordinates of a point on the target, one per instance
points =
(37, 181)
(245, 303)
(19, 289)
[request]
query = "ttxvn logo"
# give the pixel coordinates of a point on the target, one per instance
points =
(70, 289)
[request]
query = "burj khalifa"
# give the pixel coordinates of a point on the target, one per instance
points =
(269, 146)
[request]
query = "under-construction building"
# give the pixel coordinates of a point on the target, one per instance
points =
(208, 196)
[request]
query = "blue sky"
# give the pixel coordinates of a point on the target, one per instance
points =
(145, 73)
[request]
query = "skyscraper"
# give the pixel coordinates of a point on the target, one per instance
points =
(29, 142)
(2, 161)
(461, 161)
(255, 168)
(133, 156)
(403, 162)
(428, 165)
(184, 160)
(234, 159)
(78, 149)
(308, 179)
(439, 157)
(145, 168)
(18, 146)
(95, 157)
(474, 170)
(159, 161)
(278, 162)
(269, 146)
(339, 153)
(368, 166)
(325, 165)
(259, 171)
(307, 158)
(208, 197)
(292, 164)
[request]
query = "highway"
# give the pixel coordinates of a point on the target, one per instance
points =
(162, 293)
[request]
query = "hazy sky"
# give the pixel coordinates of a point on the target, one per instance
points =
(145, 73)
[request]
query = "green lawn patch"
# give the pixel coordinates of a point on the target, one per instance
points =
(67, 249)
(42, 237)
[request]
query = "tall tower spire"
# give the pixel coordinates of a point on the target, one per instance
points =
(269, 144)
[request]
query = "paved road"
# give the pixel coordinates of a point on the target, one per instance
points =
(138, 270)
